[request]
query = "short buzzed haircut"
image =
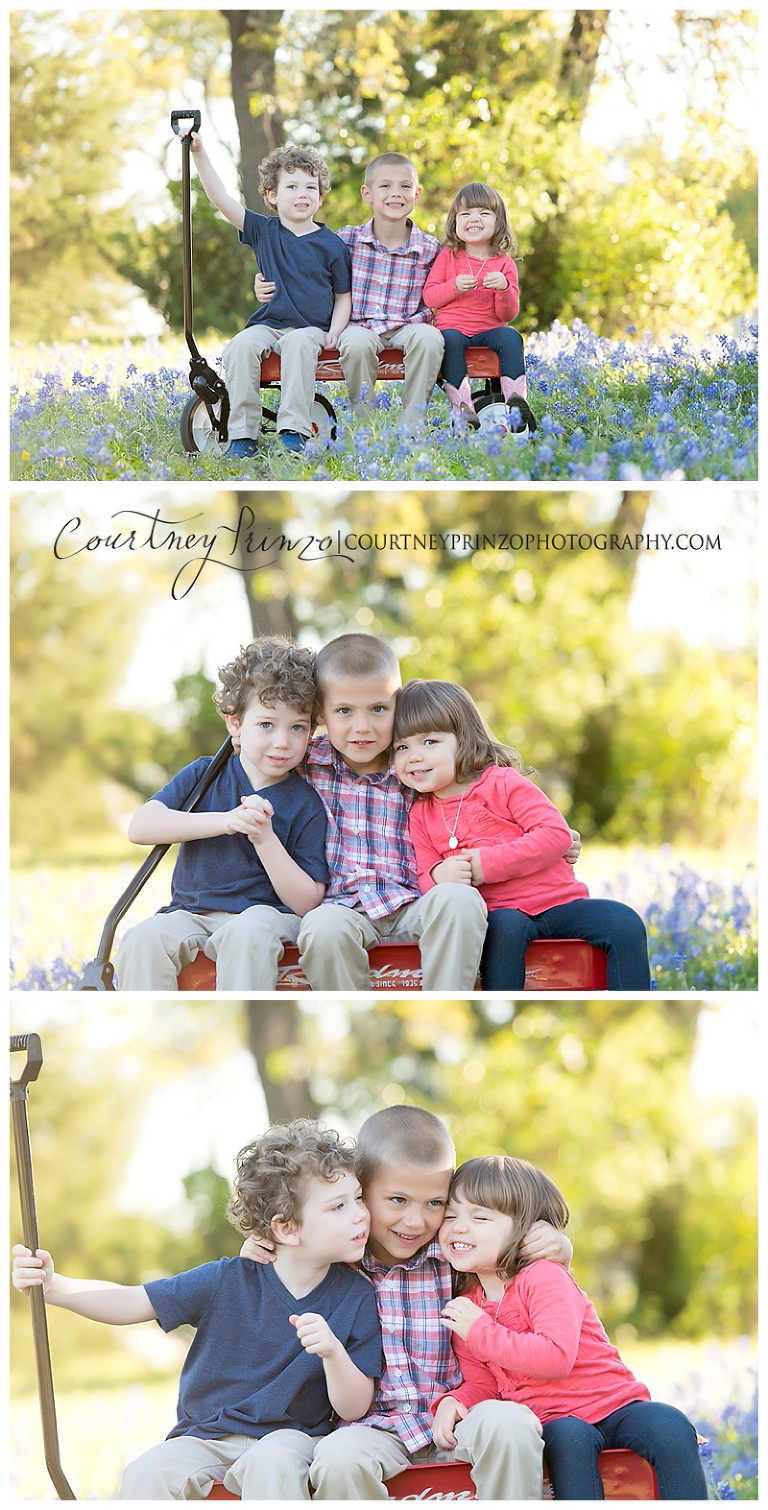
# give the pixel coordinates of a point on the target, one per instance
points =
(389, 160)
(358, 655)
(402, 1135)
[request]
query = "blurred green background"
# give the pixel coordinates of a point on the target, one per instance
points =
(624, 144)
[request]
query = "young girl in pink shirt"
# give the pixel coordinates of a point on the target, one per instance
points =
(525, 1332)
(472, 287)
(478, 820)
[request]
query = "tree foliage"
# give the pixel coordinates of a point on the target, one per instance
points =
(639, 738)
(639, 235)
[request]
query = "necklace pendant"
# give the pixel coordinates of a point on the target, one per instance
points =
(453, 842)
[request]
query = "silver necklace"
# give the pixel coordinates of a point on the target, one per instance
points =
(453, 842)
(481, 260)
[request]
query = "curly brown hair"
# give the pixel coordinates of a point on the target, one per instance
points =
(483, 197)
(273, 1172)
(287, 159)
(442, 707)
(271, 668)
(517, 1189)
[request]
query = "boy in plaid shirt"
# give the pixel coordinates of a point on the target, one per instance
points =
(390, 261)
(404, 1163)
(374, 891)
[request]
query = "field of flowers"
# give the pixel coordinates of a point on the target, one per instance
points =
(702, 923)
(630, 410)
(715, 1386)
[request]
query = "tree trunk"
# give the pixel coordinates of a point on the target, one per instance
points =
(579, 59)
(255, 35)
(594, 792)
(274, 615)
(272, 1031)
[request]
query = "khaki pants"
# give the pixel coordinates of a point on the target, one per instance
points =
(502, 1441)
(448, 923)
(274, 1467)
(422, 348)
(299, 351)
(247, 947)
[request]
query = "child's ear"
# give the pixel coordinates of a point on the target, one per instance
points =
(233, 728)
(365, 193)
(285, 1232)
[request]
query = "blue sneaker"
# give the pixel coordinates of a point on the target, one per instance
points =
(241, 448)
(290, 440)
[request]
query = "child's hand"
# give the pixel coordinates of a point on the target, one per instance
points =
(465, 281)
(259, 1249)
(572, 854)
(460, 1314)
(495, 280)
(315, 1335)
(260, 813)
(454, 869)
(476, 868)
(331, 340)
(544, 1241)
(263, 289)
(30, 1269)
(243, 820)
(195, 144)
(449, 1411)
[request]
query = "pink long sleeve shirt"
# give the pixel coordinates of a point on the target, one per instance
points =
(521, 836)
(478, 308)
(543, 1345)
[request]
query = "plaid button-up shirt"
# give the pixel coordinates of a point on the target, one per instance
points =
(387, 283)
(419, 1362)
(367, 848)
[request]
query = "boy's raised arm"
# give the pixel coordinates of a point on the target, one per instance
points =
(231, 208)
(98, 1299)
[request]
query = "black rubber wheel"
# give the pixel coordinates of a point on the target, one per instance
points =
(494, 416)
(323, 417)
(197, 432)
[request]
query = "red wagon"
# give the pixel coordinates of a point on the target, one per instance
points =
(625, 1476)
(550, 965)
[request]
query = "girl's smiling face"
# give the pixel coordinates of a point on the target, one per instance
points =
(427, 763)
(476, 226)
(472, 1237)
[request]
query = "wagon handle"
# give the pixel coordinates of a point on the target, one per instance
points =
(30, 1043)
(186, 217)
(99, 973)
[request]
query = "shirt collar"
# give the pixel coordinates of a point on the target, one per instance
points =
(366, 233)
(426, 1255)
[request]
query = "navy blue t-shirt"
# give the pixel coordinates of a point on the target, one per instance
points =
(307, 271)
(246, 1370)
(225, 874)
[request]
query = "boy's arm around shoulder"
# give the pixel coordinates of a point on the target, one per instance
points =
(97, 1299)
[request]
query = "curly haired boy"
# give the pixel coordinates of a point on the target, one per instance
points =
(279, 1352)
(245, 875)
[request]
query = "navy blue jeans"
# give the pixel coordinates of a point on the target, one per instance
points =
(503, 339)
(610, 925)
(659, 1433)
